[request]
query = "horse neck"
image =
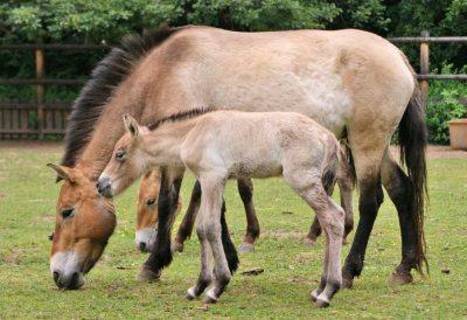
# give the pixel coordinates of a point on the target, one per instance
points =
(163, 144)
(109, 129)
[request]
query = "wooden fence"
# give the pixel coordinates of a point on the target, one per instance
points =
(39, 118)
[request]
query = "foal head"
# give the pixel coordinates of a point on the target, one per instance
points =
(147, 213)
(127, 162)
(83, 224)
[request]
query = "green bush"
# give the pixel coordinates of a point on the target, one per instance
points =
(447, 100)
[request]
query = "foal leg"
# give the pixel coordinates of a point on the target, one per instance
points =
(400, 191)
(186, 227)
(209, 227)
(331, 218)
(346, 188)
(161, 255)
(245, 188)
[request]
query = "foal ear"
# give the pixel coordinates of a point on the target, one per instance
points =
(62, 172)
(131, 125)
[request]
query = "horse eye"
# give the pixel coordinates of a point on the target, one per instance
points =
(120, 155)
(51, 236)
(150, 202)
(67, 213)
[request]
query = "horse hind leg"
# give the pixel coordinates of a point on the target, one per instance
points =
(245, 188)
(399, 189)
(371, 198)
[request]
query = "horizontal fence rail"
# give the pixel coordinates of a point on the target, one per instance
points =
(39, 118)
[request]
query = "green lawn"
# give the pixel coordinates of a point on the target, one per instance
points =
(27, 205)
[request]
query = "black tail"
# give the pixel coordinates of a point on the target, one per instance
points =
(229, 247)
(413, 140)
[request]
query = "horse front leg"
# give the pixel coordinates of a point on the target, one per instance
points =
(186, 227)
(161, 255)
(245, 188)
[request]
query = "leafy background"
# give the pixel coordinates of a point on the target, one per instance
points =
(106, 21)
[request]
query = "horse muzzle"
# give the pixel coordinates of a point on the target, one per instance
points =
(69, 281)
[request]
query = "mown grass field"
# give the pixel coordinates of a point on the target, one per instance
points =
(27, 205)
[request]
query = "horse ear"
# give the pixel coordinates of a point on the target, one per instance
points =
(131, 125)
(62, 172)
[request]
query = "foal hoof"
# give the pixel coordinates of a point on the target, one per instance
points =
(148, 275)
(210, 297)
(322, 302)
(246, 247)
(314, 295)
(400, 278)
(309, 242)
(177, 247)
(190, 294)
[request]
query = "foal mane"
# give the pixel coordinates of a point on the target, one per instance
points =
(180, 116)
(107, 75)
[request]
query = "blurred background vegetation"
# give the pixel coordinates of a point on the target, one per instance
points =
(106, 21)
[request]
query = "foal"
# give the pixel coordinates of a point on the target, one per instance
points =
(220, 145)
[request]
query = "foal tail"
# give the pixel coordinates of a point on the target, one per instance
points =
(229, 247)
(339, 167)
(413, 141)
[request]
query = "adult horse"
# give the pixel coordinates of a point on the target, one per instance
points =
(354, 83)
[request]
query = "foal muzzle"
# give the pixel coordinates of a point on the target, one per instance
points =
(104, 187)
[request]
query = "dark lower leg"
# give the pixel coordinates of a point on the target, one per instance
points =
(245, 188)
(186, 227)
(229, 247)
(370, 201)
(315, 230)
(400, 191)
(161, 256)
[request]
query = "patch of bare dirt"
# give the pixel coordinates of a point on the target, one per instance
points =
(437, 152)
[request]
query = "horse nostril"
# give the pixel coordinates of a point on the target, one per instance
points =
(142, 246)
(56, 276)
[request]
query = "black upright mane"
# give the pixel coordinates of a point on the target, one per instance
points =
(108, 74)
(180, 116)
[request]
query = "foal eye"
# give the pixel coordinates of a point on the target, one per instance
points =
(120, 155)
(51, 236)
(150, 202)
(67, 213)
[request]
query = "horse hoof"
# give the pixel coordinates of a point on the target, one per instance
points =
(190, 294)
(177, 247)
(400, 278)
(347, 283)
(322, 302)
(246, 247)
(309, 242)
(210, 297)
(147, 275)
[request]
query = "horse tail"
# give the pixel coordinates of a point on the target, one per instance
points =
(229, 247)
(413, 141)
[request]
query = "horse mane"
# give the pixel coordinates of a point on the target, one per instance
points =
(105, 77)
(180, 116)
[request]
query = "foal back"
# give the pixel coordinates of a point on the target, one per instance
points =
(256, 144)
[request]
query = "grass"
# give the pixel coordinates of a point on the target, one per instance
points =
(27, 201)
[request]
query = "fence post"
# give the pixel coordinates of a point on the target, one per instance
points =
(424, 66)
(39, 58)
